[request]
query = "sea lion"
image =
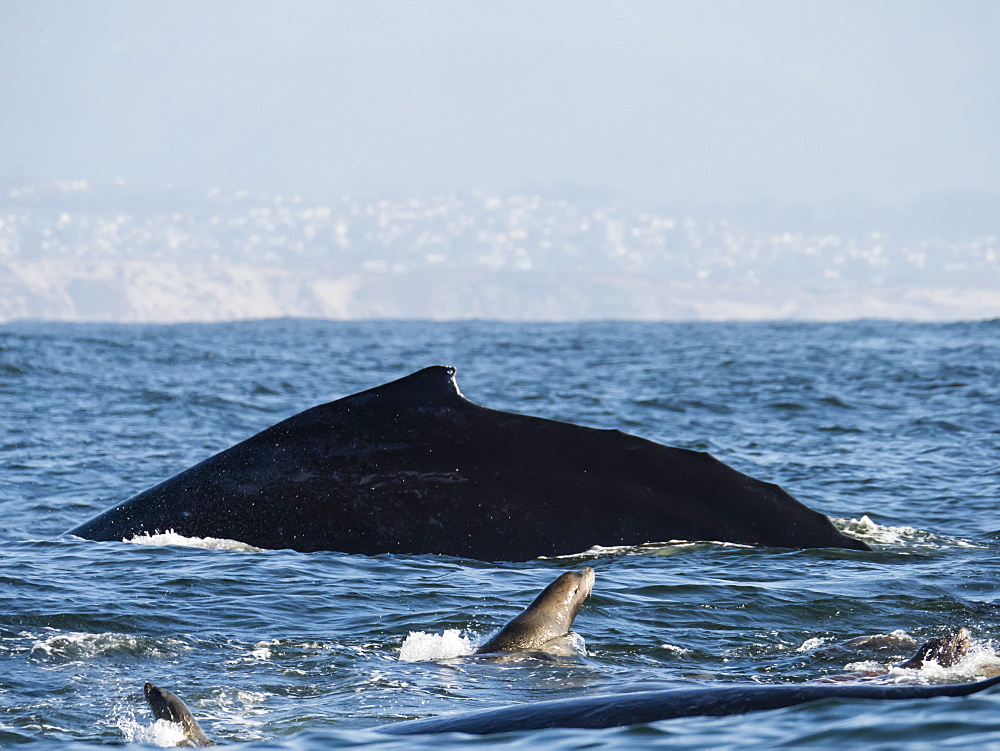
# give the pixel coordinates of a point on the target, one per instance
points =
(414, 467)
(548, 618)
(944, 650)
(166, 706)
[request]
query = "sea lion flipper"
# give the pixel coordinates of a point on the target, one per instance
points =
(166, 706)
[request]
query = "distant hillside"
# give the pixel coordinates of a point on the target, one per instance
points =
(70, 252)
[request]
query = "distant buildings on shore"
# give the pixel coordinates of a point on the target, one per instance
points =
(72, 252)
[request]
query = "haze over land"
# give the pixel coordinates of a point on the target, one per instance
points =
(168, 161)
(74, 253)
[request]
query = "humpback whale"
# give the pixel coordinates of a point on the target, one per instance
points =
(611, 710)
(414, 467)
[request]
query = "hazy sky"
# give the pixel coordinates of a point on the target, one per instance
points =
(698, 101)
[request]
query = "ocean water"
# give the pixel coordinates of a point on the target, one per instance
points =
(892, 429)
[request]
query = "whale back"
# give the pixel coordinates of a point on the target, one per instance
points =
(414, 467)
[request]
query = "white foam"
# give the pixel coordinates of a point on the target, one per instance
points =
(650, 548)
(981, 661)
(675, 649)
(237, 710)
(910, 537)
(812, 643)
(873, 532)
(262, 650)
(78, 645)
(419, 646)
(866, 666)
(211, 543)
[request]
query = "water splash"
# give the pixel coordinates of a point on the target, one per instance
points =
(160, 733)
(419, 646)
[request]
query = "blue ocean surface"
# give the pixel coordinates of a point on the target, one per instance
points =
(892, 429)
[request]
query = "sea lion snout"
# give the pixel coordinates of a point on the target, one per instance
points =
(586, 580)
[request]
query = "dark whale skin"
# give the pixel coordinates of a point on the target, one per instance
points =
(414, 467)
(605, 711)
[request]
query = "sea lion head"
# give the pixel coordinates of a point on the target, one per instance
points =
(944, 650)
(166, 706)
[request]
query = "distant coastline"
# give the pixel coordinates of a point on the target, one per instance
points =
(72, 252)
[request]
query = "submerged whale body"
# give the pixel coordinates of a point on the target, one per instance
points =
(613, 710)
(414, 467)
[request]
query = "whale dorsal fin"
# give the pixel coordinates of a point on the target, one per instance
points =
(427, 387)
